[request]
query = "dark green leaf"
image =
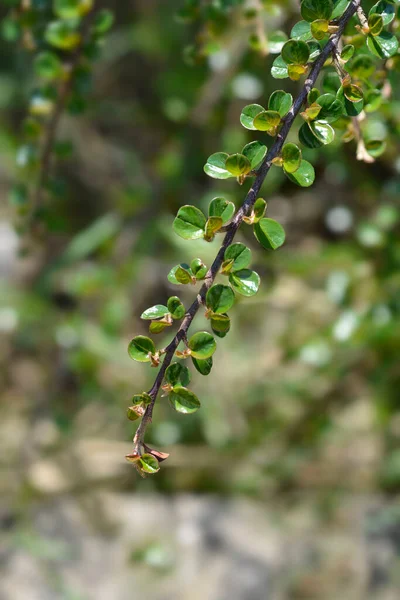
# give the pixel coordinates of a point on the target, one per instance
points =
(316, 9)
(322, 131)
(203, 366)
(180, 274)
(331, 108)
(198, 268)
(177, 374)
(48, 65)
(307, 137)
(383, 45)
(240, 254)
(385, 9)
(220, 324)
(175, 307)
(295, 52)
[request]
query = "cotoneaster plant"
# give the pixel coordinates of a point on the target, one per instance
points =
(356, 50)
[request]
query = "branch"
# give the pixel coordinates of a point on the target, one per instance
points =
(249, 201)
(51, 130)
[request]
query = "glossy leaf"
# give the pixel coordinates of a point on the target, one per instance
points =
(203, 366)
(268, 121)
(183, 400)
(347, 52)
(149, 464)
(291, 156)
(316, 9)
(280, 102)
(245, 282)
(140, 348)
(322, 131)
(307, 137)
(215, 166)
(202, 345)
(269, 233)
(385, 9)
(175, 307)
(301, 31)
(255, 152)
(279, 69)
(248, 113)
(319, 28)
(220, 324)
(220, 298)
(295, 52)
(237, 164)
(155, 312)
(239, 254)
(213, 225)
(180, 274)
(383, 45)
(375, 24)
(219, 207)
(353, 93)
(177, 374)
(189, 223)
(198, 268)
(304, 176)
(331, 108)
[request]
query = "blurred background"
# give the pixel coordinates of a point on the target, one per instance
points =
(285, 485)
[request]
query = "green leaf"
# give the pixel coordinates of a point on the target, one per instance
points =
(280, 102)
(375, 147)
(140, 348)
(219, 207)
(198, 268)
(155, 312)
(331, 108)
(347, 52)
(339, 8)
(189, 223)
(215, 166)
(248, 113)
(183, 400)
(255, 153)
(268, 120)
(385, 9)
(48, 66)
(291, 156)
(237, 164)
(177, 374)
(372, 100)
(269, 233)
(315, 50)
(149, 464)
(351, 109)
(375, 24)
(316, 9)
(312, 95)
(304, 176)
(220, 298)
(322, 131)
(301, 31)
(307, 137)
(279, 69)
(220, 324)
(276, 40)
(63, 35)
(103, 21)
(295, 52)
(203, 366)
(383, 45)
(175, 307)
(180, 274)
(132, 413)
(240, 254)
(245, 282)
(202, 345)
(72, 9)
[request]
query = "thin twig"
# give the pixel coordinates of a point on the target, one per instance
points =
(238, 218)
(53, 123)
